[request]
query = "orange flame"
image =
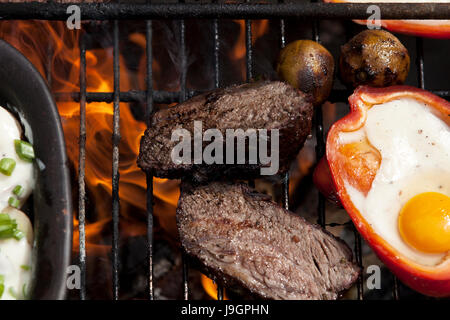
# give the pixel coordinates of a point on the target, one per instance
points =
(64, 56)
(54, 51)
(211, 288)
(259, 28)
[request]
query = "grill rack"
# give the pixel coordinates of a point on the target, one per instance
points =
(214, 11)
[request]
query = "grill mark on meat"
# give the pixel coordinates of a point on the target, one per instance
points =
(316, 264)
(324, 249)
(260, 105)
(257, 234)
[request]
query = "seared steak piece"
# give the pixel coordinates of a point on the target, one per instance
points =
(242, 237)
(260, 105)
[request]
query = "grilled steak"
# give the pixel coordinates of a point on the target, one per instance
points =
(260, 105)
(241, 237)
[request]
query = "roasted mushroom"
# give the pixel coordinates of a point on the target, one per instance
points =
(308, 66)
(375, 58)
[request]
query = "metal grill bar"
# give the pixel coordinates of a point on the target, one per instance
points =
(217, 85)
(282, 30)
(149, 180)
(165, 97)
(149, 177)
(420, 63)
(129, 11)
(395, 294)
(249, 62)
(358, 257)
(183, 61)
(49, 65)
(285, 184)
(168, 97)
(320, 143)
(248, 49)
(81, 169)
(115, 162)
(183, 98)
(216, 54)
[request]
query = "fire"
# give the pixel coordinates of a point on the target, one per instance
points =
(54, 51)
(259, 28)
(61, 47)
(211, 288)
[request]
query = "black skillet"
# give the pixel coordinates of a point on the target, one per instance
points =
(25, 94)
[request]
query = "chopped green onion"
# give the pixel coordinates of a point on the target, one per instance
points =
(24, 150)
(13, 202)
(18, 234)
(2, 285)
(25, 267)
(8, 228)
(7, 166)
(4, 217)
(18, 190)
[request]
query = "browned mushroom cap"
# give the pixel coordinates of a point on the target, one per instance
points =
(375, 58)
(308, 66)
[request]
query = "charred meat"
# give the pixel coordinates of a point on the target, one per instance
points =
(242, 237)
(244, 110)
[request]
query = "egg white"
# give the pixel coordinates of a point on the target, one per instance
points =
(415, 148)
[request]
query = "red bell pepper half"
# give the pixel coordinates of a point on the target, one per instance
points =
(324, 182)
(357, 163)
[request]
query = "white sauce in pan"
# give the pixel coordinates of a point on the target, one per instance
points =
(15, 255)
(15, 261)
(23, 174)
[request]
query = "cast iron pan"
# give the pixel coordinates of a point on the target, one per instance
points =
(25, 94)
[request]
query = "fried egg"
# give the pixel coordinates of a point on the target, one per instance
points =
(408, 202)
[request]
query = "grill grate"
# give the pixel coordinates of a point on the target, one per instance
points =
(132, 11)
(183, 94)
(215, 11)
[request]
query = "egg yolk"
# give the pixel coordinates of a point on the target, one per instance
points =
(424, 222)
